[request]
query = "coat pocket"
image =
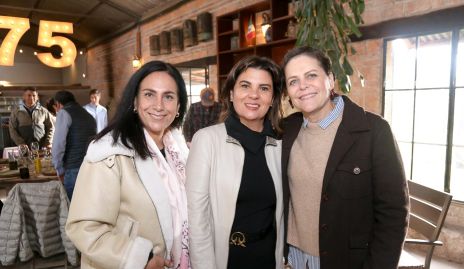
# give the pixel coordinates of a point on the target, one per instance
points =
(359, 249)
(353, 179)
(129, 227)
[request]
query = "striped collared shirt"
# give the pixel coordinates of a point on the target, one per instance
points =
(324, 123)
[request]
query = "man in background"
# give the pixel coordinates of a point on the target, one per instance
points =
(31, 122)
(201, 114)
(74, 130)
(96, 110)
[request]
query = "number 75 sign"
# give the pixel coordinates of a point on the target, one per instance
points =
(18, 26)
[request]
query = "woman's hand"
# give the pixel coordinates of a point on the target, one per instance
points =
(158, 262)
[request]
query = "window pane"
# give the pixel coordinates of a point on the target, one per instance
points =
(460, 61)
(457, 162)
(429, 165)
(399, 106)
(431, 116)
(405, 149)
(198, 80)
(400, 62)
(195, 98)
(434, 60)
(457, 173)
(458, 132)
(194, 79)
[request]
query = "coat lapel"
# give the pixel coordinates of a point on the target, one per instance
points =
(353, 122)
(151, 179)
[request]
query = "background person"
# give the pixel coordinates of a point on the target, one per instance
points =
(30, 122)
(129, 205)
(234, 177)
(51, 107)
(98, 112)
(345, 192)
(74, 129)
(201, 114)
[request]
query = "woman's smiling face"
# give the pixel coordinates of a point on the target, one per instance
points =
(252, 97)
(309, 86)
(157, 103)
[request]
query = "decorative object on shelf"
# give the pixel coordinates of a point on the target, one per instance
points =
(263, 30)
(177, 41)
(235, 24)
(190, 33)
(292, 7)
(259, 29)
(239, 33)
(266, 27)
(234, 42)
(155, 45)
(251, 32)
(165, 42)
(205, 26)
(291, 30)
(336, 22)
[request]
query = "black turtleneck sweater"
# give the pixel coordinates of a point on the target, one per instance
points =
(256, 201)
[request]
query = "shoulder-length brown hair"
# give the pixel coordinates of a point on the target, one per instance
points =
(262, 63)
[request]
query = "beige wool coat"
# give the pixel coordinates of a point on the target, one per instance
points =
(120, 210)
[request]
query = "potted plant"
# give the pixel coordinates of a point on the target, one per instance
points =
(327, 25)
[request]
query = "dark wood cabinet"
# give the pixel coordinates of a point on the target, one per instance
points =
(232, 28)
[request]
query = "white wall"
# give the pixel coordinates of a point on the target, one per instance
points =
(28, 70)
(73, 73)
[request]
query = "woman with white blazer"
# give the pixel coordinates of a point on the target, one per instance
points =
(234, 189)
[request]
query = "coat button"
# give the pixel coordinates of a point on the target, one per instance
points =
(325, 197)
(357, 170)
(324, 227)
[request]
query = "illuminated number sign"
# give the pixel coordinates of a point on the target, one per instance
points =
(18, 26)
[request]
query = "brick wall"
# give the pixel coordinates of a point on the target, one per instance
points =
(109, 65)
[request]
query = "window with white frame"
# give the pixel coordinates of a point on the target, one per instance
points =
(424, 103)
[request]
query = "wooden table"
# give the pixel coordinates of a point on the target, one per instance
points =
(8, 183)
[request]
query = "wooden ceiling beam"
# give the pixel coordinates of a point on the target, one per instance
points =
(36, 5)
(87, 14)
(121, 8)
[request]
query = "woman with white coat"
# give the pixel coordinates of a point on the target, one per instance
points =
(129, 205)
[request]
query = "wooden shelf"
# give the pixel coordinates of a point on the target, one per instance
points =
(277, 42)
(236, 50)
(284, 18)
(275, 49)
(232, 32)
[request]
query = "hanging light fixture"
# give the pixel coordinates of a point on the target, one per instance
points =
(137, 59)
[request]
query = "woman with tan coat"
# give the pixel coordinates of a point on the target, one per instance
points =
(129, 206)
(234, 185)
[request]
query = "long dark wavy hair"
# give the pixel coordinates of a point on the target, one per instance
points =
(126, 124)
(262, 63)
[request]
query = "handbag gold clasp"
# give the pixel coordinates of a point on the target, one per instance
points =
(238, 239)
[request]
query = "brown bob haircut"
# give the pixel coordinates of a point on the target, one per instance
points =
(262, 63)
